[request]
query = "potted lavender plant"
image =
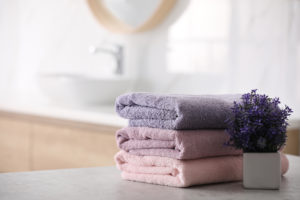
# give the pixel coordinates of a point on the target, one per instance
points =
(258, 127)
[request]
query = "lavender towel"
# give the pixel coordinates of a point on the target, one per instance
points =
(175, 111)
(185, 144)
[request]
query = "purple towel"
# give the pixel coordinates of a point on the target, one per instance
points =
(176, 111)
(178, 144)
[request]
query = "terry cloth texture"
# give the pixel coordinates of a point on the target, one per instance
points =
(178, 144)
(178, 173)
(176, 111)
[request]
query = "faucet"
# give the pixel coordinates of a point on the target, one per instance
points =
(116, 50)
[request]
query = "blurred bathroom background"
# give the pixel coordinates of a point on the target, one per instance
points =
(63, 62)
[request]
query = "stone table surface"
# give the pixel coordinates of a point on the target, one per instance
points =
(105, 183)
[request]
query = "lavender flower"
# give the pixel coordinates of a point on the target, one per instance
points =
(258, 124)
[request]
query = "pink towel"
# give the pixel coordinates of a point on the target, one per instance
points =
(178, 173)
(179, 144)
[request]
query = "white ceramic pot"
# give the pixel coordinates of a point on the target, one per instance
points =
(262, 170)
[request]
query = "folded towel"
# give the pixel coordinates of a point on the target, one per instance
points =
(179, 144)
(175, 111)
(178, 173)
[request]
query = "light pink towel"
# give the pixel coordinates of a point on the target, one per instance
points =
(179, 144)
(178, 173)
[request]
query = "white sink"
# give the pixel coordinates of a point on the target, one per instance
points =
(79, 89)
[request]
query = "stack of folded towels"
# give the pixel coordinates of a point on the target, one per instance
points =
(177, 140)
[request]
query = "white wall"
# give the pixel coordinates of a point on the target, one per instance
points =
(264, 53)
(40, 34)
(9, 27)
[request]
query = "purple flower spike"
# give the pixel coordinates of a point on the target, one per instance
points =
(258, 124)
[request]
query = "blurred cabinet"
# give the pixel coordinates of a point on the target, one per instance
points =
(37, 143)
(292, 144)
(15, 145)
(67, 147)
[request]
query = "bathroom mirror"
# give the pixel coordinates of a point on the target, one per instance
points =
(130, 16)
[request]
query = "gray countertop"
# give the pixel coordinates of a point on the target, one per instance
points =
(105, 183)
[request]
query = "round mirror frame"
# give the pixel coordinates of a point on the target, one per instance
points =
(108, 20)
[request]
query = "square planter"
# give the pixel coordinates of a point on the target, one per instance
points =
(261, 170)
